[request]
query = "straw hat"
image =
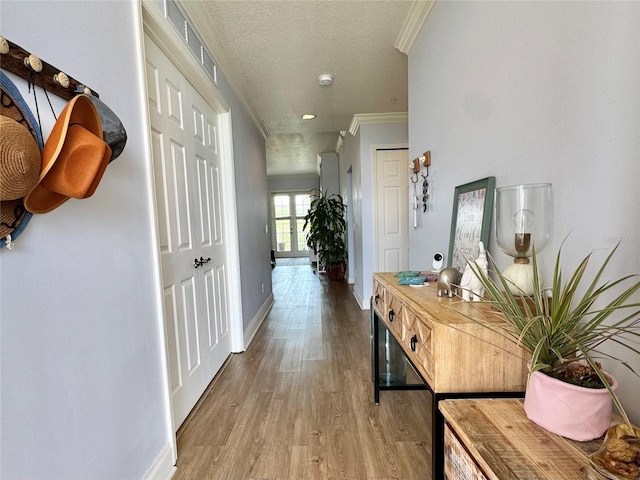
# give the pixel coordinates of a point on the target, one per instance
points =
(74, 158)
(20, 145)
(19, 160)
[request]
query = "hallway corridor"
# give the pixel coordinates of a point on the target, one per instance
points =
(298, 403)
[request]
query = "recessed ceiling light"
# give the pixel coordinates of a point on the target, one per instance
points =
(308, 116)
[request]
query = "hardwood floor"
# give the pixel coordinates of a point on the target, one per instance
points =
(298, 404)
(292, 261)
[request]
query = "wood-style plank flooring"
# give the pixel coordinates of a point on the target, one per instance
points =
(298, 404)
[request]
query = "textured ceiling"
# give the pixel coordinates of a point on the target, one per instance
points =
(277, 49)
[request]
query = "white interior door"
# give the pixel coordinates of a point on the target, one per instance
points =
(191, 230)
(392, 211)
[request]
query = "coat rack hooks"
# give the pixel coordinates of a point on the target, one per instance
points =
(415, 166)
(17, 60)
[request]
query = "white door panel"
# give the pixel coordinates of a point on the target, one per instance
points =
(175, 369)
(392, 260)
(161, 197)
(391, 193)
(187, 180)
(391, 206)
(210, 310)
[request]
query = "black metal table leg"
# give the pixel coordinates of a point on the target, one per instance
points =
(376, 359)
(437, 439)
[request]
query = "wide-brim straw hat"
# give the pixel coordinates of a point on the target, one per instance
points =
(19, 160)
(74, 158)
(13, 216)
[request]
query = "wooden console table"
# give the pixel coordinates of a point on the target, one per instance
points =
(494, 440)
(454, 356)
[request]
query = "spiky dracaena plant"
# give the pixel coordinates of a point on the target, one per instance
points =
(560, 325)
(326, 225)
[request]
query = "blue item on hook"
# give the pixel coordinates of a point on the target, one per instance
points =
(20, 215)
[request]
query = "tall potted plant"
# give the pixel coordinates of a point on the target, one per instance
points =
(563, 329)
(326, 232)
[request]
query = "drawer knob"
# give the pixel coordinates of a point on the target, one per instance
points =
(392, 314)
(376, 298)
(413, 342)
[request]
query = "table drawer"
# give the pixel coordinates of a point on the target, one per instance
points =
(394, 316)
(388, 308)
(417, 339)
(458, 464)
(379, 299)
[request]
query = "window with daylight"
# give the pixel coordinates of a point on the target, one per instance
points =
(289, 210)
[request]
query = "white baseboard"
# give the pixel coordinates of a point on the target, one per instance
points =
(351, 280)
(163, 468)
(257, 320)
(364, 305)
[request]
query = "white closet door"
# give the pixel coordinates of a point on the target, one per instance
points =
(392, 227)
(191, 228)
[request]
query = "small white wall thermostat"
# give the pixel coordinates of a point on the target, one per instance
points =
(438, 261)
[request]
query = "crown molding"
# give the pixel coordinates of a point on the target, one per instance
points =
(199, 16)
(371, 118)
(413, 23)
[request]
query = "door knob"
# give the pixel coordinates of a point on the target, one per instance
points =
(198, 263)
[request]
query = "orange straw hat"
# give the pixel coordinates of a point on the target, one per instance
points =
(74, 158)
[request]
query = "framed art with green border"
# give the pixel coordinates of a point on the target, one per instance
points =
(471, 220)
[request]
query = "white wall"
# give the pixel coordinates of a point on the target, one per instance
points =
(534, 92)
(252, 203)
(83, 380)
(347, 196)
(349, 160)
(360, 151)
(329, 173)
(291, 183)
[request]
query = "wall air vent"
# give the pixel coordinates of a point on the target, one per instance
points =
(181, 23)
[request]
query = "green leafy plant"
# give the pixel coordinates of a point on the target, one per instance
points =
(326, 225)
(567, 322)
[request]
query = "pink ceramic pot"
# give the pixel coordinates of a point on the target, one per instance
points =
(574, 412)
